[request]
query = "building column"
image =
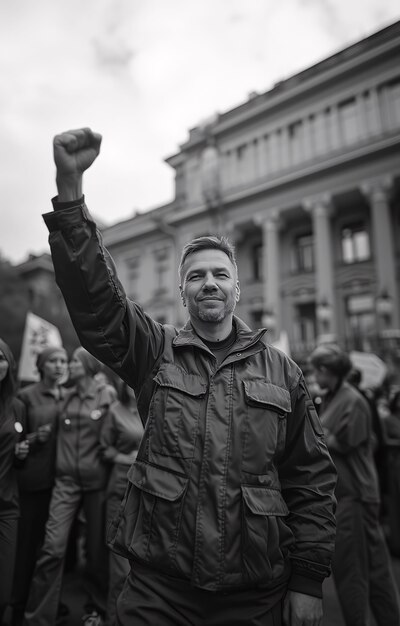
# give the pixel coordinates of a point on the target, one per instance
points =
(321, 210)
(271, 280)
(378, 193)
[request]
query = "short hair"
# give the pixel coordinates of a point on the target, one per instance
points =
(207, 242)
(332, 358)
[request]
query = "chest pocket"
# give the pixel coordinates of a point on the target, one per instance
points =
(174, 412)
(266, 406)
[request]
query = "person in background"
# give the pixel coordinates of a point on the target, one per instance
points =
(361, 564)
(392, 436)
(81, 477)
(14, 448)
(355, 378)
(42, 401)
(120, 438)
(107, 377)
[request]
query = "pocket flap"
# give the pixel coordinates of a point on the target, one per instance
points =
(268, 394)
(157, 481)
(263, 501)
(171, 376)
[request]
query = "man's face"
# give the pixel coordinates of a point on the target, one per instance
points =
(210, 288)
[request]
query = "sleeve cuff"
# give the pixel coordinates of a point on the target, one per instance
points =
(59, 206)
(303, 584)
(67, 215)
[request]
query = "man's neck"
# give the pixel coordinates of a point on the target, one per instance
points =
(212, 331)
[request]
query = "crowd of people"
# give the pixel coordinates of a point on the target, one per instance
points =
(236, 500)
(66, 445)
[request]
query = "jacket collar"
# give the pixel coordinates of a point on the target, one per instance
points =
(245, 336)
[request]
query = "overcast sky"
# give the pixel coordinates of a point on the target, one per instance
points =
(142, 73)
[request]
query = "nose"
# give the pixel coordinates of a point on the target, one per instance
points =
(209, 281)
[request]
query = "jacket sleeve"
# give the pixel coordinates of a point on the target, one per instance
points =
(110, 326)
(308, 479)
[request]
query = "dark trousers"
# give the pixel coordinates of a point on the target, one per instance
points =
(150, 598)
(34, 506)
(361, 566)
(44, 596)
(8, 544)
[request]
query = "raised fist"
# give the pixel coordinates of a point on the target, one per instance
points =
(74, 152)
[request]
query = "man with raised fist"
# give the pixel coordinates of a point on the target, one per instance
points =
(228, 517)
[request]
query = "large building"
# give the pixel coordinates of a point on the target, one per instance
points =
(305, 179)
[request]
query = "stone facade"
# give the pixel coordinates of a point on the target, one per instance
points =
(305, 179)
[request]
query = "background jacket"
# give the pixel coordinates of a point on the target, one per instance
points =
(42, 408)
(79, 454)
(233, 484)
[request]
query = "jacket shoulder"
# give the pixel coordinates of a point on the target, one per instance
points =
(26, 392)
(282, 366)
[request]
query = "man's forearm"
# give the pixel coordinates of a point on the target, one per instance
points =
(69, 187)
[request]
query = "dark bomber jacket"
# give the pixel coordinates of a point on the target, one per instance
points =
(233, 484)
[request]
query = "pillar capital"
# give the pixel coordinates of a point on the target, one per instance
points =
(319, 205)
(377, 189)
(270, 220)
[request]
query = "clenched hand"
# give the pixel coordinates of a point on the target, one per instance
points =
(74, 152)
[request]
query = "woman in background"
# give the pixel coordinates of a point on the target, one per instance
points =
(13, 449)
(42, 402)
(120, 437)
(361, 564)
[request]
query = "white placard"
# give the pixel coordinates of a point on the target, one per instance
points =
(38, 334)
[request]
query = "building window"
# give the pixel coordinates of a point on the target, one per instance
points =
(242, 154)
(132, 266)
(318, 132)
(348, 120)
(257, 261)
(161, 268)
(360, 321)
(296, 132)
(303, 253)
(266, 147)
(393, 103)
(355, 243)
(161, 278)
(305, 328)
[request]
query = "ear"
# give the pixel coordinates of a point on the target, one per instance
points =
(182, 295)
(237, 291)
